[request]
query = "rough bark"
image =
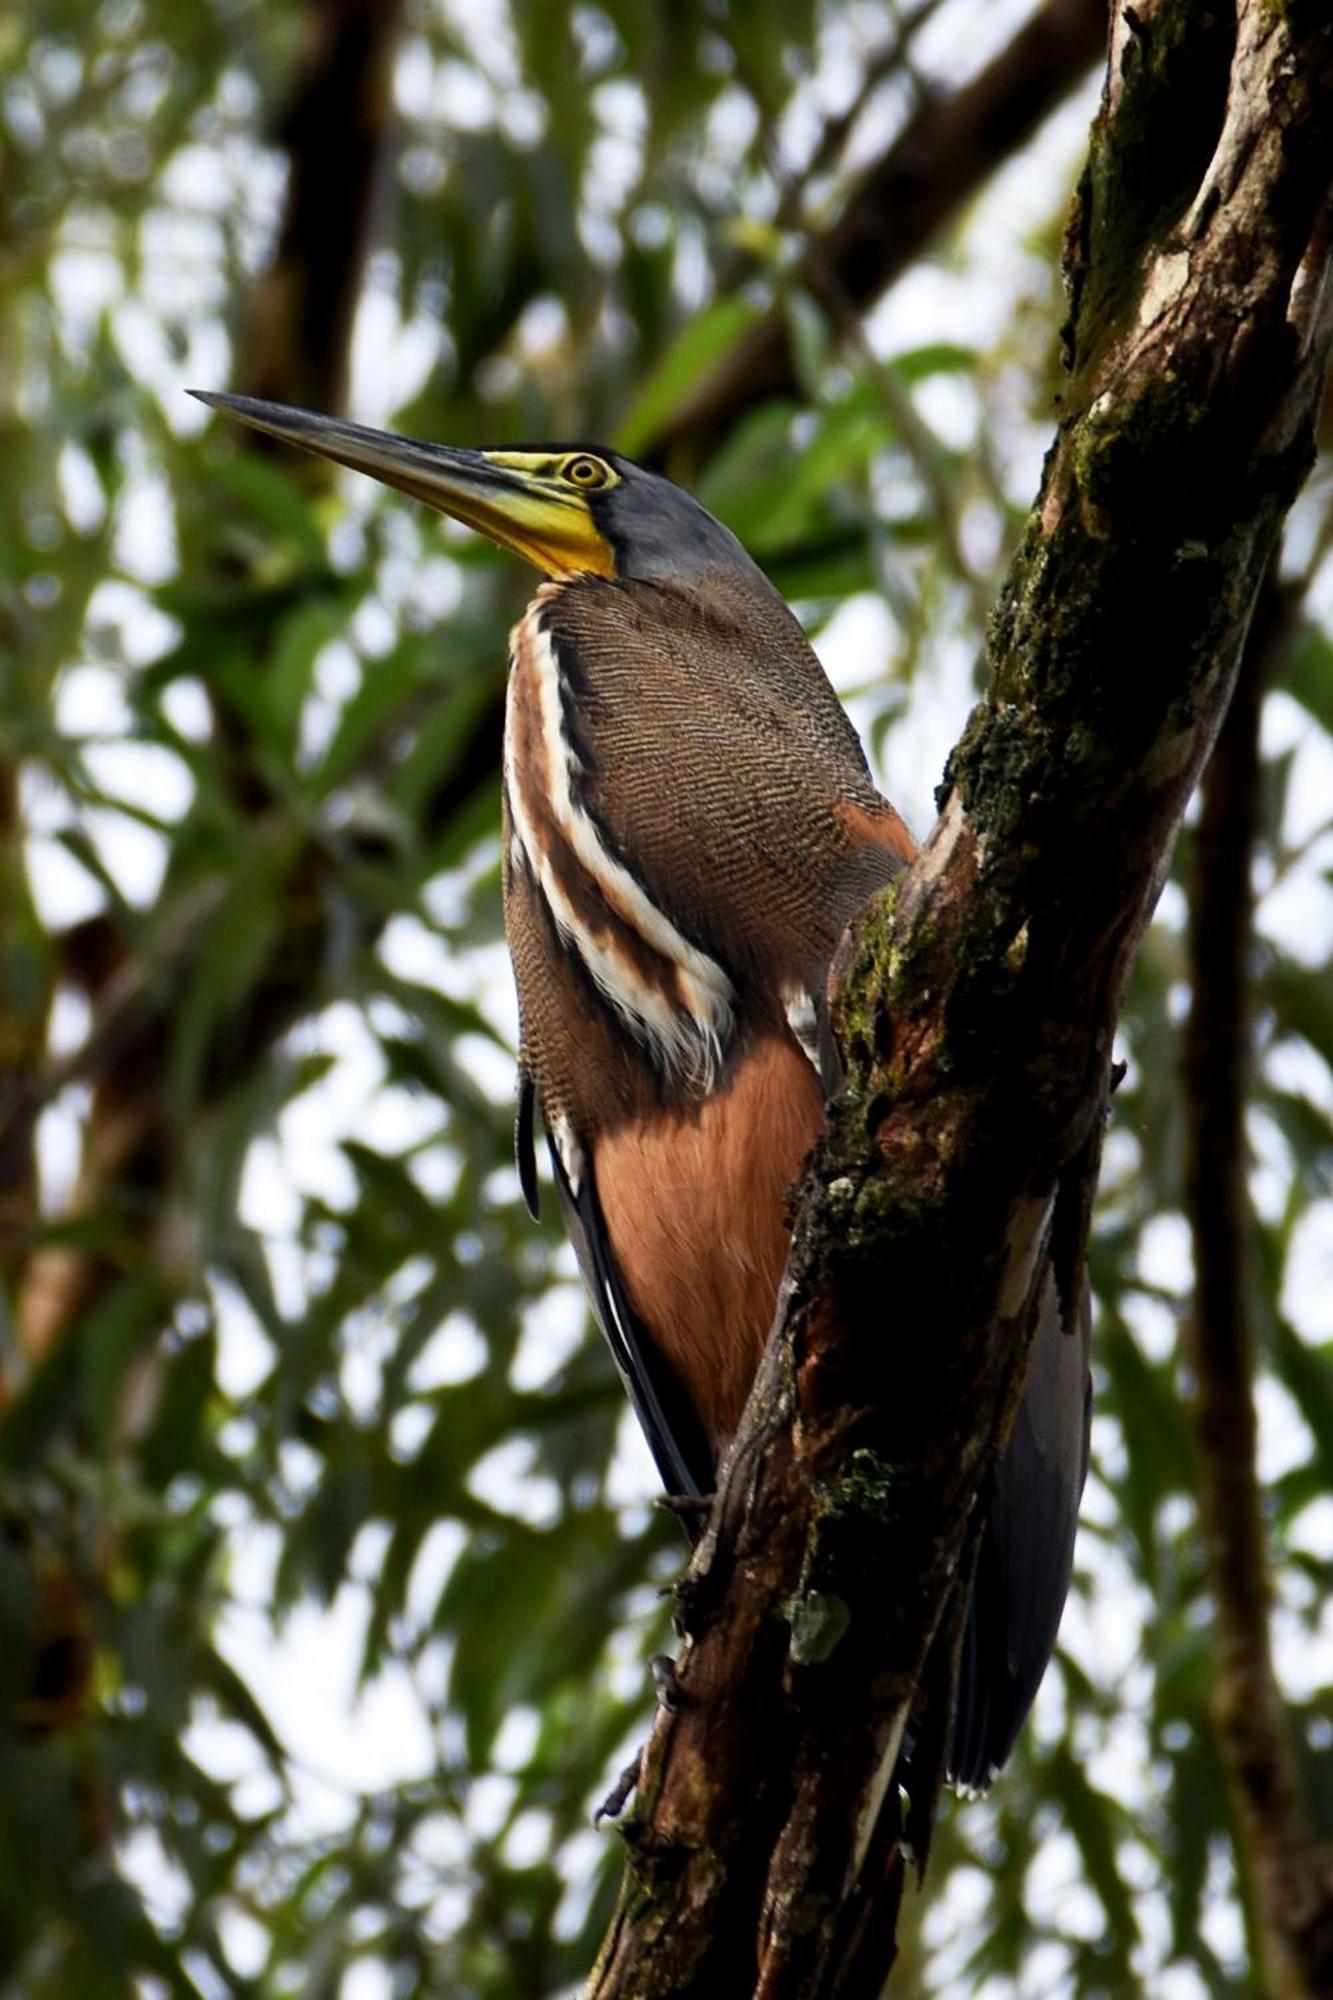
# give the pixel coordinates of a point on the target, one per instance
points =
(1290, 1872)
(976, 1009)
(949, 148)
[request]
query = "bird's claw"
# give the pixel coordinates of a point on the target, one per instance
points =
(666, 1684)
(615, 1801)
(688, 1506)
(667, 1688)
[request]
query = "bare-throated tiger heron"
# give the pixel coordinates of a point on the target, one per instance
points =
(689, 826)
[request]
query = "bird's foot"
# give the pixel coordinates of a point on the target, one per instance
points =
(666, 1684)
(670, 1694)
(618, 1797)
(686, 1506)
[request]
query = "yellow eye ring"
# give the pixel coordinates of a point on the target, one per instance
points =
(585, 472)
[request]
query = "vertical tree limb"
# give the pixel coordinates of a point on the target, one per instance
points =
(1291, 1872)
(23, 1022)
(335, 133)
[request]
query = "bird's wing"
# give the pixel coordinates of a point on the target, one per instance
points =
(525, 1145)
(1027, 1549)
(674, 1433)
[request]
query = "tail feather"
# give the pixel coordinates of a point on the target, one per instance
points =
(1027, 1552)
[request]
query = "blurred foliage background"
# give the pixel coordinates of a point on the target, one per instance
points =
(328, 1564)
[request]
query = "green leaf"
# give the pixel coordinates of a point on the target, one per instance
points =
(809, 333)
(1308, 672)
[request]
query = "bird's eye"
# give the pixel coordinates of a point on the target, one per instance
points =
(585, 472)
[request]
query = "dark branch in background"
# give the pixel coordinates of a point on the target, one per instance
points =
(1291, 1873)
(976, 1015)
(946, 151)
(298, 345)
(23, 1028)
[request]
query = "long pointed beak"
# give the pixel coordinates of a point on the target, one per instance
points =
(513, 505)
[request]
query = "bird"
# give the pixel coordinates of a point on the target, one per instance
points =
(689, 825)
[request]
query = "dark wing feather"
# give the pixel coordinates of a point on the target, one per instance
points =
(1027, 1550)
(674, 1433)
(525, 1148)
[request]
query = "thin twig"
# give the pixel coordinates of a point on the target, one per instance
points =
(918, 440)
(890, 57)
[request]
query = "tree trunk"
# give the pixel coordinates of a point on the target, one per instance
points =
(976, 1012)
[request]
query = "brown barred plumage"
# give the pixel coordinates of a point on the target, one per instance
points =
(688, 827)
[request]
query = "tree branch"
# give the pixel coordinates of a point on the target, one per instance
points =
(975, 1010)
(298, 343)
(1291, 1873)
(948, 148)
